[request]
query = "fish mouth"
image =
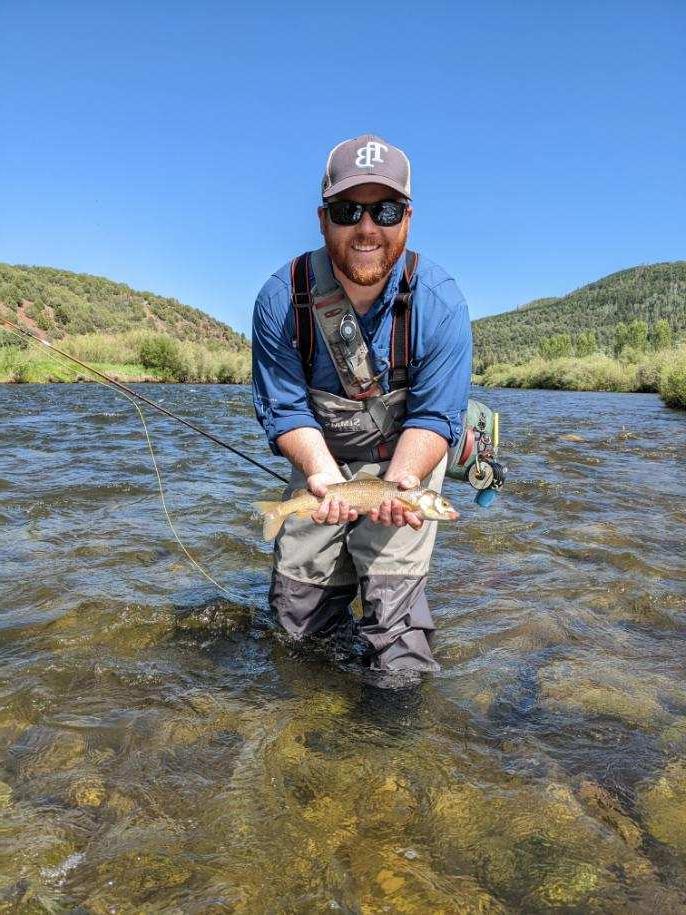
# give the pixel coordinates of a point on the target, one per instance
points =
(453, 515)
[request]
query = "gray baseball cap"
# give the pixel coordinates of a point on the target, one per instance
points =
(366, 160)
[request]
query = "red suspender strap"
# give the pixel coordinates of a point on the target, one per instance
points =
(401, 344)
(301, 297)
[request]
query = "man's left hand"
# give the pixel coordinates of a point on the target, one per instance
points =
(393, 512)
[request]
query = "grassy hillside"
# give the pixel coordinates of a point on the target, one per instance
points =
(128, 334)
(62, 303)
(649, 294)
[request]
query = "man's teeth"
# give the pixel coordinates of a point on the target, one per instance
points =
(366, 247)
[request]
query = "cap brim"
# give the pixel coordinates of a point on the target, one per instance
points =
(346, 183)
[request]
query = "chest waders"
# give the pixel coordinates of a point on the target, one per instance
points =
(365, 425)
(318, 569)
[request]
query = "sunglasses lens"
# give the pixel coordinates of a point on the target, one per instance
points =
(387, 213)
(345, 212)
(348, 212)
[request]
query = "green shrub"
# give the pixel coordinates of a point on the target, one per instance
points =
(555, 347)
(637, 334)
(594, 373)
(650, 370)
(662, 334)
(672, 384)
(586, 343)
(163, 355)
(631, 355)
(7, 338)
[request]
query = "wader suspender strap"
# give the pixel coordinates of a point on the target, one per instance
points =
(401, 344)
(301, 297)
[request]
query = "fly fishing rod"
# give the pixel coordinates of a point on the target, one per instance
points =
(17, 328)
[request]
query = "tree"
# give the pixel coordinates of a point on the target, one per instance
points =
(586, 343)
(621, 337)
(637, 333)
(662, 334)
(556, 347)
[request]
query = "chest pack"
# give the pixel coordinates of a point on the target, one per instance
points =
(366, 424)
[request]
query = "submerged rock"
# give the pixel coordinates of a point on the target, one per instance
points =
(5, 794)
(387, 882)
(663, 807)
(89, 791)
(607, 808)
(41, 750)
(392, 803)
(567, 885)
(603, 692)
(535, 844)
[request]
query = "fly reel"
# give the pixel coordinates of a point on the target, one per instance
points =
(473, 459)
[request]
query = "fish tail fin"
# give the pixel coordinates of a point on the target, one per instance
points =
(271, 519)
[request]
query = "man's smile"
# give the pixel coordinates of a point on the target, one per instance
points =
(357, 246)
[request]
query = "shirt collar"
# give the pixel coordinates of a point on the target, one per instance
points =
(391, 290)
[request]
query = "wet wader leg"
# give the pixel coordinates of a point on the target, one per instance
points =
(392, 564)
(397, 623)
(314, 579)
(306, 609)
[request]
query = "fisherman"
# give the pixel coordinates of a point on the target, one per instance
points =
(361, 363)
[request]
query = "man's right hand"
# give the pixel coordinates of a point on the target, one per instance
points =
(331, 511)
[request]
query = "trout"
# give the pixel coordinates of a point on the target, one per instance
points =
(364, 494)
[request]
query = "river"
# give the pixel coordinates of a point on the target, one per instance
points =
(164, 749)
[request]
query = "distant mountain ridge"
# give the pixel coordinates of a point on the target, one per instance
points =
(62, 303)
(648, 293)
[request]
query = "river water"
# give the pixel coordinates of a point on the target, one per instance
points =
(164, 749)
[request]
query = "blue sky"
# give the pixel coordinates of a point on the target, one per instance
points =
(179, 147)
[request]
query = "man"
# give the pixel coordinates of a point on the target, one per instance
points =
(361, 363)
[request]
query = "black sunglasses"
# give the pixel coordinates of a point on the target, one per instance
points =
(348, 213)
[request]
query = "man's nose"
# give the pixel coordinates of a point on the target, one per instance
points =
(367, 223)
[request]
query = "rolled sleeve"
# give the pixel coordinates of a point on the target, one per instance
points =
(279, 385)
(441, 374)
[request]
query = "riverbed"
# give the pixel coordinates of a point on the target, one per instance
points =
(163, 748)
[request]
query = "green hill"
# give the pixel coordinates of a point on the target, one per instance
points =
(133, 336)
(648, 293)
(62, 303)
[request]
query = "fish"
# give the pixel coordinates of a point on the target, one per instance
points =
(364, 493)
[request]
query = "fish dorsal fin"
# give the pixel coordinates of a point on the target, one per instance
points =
(363, 475)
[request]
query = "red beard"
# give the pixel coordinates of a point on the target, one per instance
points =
(363, 269)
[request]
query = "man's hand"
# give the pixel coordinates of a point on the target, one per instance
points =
(331, 511)
(392, 511)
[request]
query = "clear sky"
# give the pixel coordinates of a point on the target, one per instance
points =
(178, 147)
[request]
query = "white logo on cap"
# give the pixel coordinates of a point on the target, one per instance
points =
(369, 154)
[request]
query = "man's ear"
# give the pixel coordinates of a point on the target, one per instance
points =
(321, 213)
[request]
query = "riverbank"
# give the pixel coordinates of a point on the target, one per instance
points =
(138, 356)
(135, 356)
(662, 372)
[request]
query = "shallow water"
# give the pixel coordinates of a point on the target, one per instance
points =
(165, 749)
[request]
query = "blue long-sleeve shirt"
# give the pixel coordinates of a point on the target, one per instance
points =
(439, 371)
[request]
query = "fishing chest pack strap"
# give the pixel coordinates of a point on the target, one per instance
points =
(302, 298)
